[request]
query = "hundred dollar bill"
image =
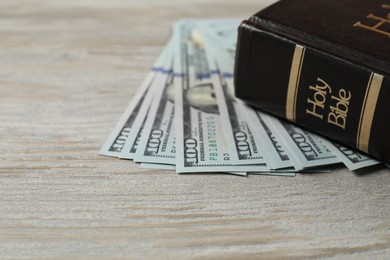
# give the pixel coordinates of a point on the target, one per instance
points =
(157, 143)
(200, 140)
(351, 158)
(307, 149)
(116, 140)
(235, 123)
(275, 149)
(131, 144)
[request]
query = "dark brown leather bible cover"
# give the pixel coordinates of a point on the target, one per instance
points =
(324, 65)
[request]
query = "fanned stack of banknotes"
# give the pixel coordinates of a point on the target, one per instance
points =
(185, 116)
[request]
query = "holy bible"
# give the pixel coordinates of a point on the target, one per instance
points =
(324, 65)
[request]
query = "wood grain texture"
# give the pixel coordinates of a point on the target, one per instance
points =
(67, 71)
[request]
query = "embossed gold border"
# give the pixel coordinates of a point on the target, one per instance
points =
(295, 74)
(368, 111)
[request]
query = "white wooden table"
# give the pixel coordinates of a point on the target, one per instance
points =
(67, 71)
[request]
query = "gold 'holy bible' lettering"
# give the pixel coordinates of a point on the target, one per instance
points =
(380, 22)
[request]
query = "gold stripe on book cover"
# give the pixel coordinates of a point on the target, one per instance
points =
(295, 74)
(368, 111)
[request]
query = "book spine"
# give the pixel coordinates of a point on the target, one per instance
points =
(331, 96)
